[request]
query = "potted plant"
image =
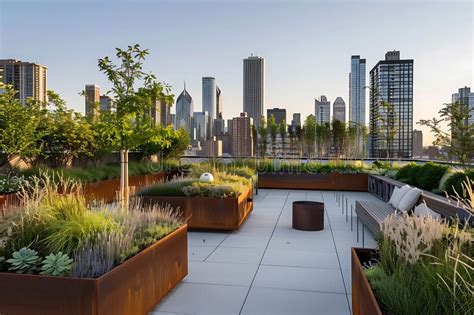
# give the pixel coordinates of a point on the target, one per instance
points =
(422, 265)
(221, 204)
(61, 256)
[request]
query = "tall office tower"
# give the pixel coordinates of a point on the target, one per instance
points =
(417, 143)
(296, 121)
(172, 120)
(465, 96)
(201, 125)
(219, 104)
(339, 109)
(105, 103)
(322, 109)
(391, 82)
(278, 113)
(218, 126)
(254, 88)
(357, 91)
(92, 103)
(160, 112)
(184, 111)
(27, 78)
(229, 126)
(242, 137)
(209, 96)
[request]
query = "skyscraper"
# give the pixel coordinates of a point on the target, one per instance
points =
(242, 137)
(278, 113)
(201, 125)
(322, 110)
(209, 94)
(27, 78)
(391, 107)
(160, 112)
(92, 102)
(184, 111)
(465, 96)
(296, 121)
(339, 109)
(218, 102)
(417, 143)
(254, 87)
(105, 103)
(357, 91)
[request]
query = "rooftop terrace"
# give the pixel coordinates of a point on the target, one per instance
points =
(266, 267)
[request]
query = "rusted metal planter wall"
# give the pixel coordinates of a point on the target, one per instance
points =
(363, 298)
(8, 202)
(210, 213)
(132, 288)
(106, 190)
(332, 181)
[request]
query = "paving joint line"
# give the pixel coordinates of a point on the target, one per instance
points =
(266, 247)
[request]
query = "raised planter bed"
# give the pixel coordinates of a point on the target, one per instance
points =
(210, 213)
(314, 181)
(363, 298)
(7, 202)
(134, 287)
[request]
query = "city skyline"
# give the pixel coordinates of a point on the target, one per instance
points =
(294, 75)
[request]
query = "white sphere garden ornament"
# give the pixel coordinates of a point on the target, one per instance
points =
(206, 178)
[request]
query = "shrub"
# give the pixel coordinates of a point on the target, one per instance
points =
(408, 173)
(429, 175)
(453, 184)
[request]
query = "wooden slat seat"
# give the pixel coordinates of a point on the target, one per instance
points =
(372, 213)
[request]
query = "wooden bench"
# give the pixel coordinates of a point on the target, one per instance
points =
(372, 213)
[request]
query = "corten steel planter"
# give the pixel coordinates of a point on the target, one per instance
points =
(308, 215)
(363, 298)
(8, 202)
(314, 181)
(106, 190)
(210, 213)
(132, 288)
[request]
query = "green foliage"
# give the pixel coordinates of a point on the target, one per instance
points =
(453, 183)
(171, 188)
(458, 137)
(310, 167)
(56, 265)
(429, 175)
(24, 260)
(408, 173)
(310, 133)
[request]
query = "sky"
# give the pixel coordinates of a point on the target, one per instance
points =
(307, 45)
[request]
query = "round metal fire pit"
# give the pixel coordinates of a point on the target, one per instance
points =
(308, 215)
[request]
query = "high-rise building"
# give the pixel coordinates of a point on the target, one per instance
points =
(417, 143)
(242, 137)
(92, 102)
(160, 112)
(211, 147)
(339, 109)
(105, 103)
(209, 96)
(229, 126)
(254, 88)
(357, 91)
(296, 121)
(27, 78)
(219, 104)
(278, 113)
(466, 97)
(172, 120)
(218, 126)
(201, 125)
(322, 109)
(391, 91)
(184, 111)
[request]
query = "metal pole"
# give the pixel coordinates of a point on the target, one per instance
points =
(346, 210)
(351, 218)
(342, 205)
(363, 232)
(357, 229)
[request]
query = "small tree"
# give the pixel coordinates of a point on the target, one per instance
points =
(460, 135)
(282, 131)
(339, 136)
(131, 105)
(299, 133)
(18, 127)
(386, 118)
(273, 129)
(310, 133)
(291, 137)
(263, 134)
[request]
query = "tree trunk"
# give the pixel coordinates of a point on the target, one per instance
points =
(124, 189)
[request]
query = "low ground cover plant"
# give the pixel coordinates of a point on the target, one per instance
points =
(224, 185)
(424, 266)
(57, 233)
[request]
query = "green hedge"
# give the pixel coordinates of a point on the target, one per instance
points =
(454, 183)
(426, 176)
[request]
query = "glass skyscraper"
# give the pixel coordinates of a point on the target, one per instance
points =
(254, 88)
(391, 86)
(357, 91)
(184, 111)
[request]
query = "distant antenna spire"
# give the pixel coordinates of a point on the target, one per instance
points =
(185, 85)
